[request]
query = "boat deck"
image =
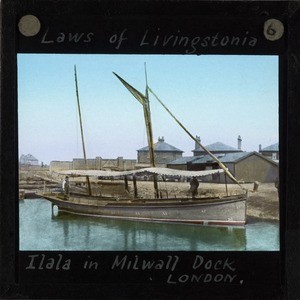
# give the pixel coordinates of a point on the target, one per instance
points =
(114, 201)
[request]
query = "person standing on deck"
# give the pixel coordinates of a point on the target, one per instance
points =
(194, 186)
(277, 185)
(66, 186)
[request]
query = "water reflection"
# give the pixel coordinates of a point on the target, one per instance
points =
(130, 235)
(39, 230)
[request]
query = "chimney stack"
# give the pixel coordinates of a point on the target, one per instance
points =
(239, 141)
(259, 148)
(197, 146)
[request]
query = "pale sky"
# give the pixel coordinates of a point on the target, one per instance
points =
(217, 97)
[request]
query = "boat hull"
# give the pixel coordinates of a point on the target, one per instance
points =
(213, 211)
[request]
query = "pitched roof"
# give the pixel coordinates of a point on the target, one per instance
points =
(234, 157)
(224, 158)
(28, 157)
(229, 157)
(183, 160)
(217, 147)
(271, 148)
(162, 146)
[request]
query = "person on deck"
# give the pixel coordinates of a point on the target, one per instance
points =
(194, 186)
(277, 185)
(66, 186)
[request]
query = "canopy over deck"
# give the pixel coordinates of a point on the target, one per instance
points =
(159, 171)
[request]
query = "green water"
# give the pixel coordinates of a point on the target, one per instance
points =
(39, 230)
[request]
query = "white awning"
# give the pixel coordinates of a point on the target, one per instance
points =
(159, 171)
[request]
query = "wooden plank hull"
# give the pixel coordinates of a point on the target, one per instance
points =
(211, 211)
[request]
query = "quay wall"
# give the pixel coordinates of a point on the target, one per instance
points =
(60, 165)
(98, 163)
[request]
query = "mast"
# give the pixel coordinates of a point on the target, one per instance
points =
(150, 135)
(81, 130)
(206, 150)
(147, 115)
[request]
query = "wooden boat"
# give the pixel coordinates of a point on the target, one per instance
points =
(218, 210)
(227, 211)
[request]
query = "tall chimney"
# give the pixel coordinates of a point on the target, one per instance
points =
(197, 146)
(259, 147)
(239, 141)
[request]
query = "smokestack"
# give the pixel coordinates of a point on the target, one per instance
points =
(239, 141)
(197, 146)
(259, 148)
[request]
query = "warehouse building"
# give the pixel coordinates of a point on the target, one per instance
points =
(244, 166)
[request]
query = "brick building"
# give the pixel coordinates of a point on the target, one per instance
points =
(163, 153)
(217, 147)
